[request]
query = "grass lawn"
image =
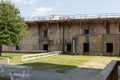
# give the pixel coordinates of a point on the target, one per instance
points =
(3, 78)
(61, 63)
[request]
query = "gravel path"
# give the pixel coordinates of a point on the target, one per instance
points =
(84, 72)
(74, 74)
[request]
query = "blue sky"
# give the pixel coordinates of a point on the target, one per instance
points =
(66, 7)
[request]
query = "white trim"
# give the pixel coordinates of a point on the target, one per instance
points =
(7, 59)
(41, 55)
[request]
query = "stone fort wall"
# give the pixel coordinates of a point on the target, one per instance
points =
(99, 36)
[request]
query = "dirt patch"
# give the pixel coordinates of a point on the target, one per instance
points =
(97, 63)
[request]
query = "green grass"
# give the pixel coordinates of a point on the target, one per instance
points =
(3, 78)
(55, 63)
(59, 63)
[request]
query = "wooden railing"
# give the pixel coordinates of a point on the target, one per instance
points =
(4, 60)
(41, 55)
(110, 72)
(15, 72)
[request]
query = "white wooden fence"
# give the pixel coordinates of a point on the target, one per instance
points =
(41, 55)
(15, 72)
(4, 60)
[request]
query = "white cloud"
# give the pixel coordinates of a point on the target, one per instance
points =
(42, 11)
(24, 1)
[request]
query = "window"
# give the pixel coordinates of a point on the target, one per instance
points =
(86, 31)
(17, 47)
(107, 27)
(45, 47)
(119, 26)
(86, 47)
(69, 47)
(109, 47)
(45, 33)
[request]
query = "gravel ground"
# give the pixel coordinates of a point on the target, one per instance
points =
(84, 72)
(74, 74)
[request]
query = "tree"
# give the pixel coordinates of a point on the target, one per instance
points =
(12, 25)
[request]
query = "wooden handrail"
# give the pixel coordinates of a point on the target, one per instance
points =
(41, 55)
(7, 60)
(110, 72)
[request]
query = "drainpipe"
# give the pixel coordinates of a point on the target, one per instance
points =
(63, 41)
(39, 34)
(58, 36)
(73, 45)
(62, 35)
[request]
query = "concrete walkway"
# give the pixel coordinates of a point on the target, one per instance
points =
(74, 74)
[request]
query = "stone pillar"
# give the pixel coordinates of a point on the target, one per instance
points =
(73, 45)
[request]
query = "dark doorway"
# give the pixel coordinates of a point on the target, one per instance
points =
(69, 47)
(17, 47)
(86, 47)
(109, 47)
(86, 31)
(45, 47)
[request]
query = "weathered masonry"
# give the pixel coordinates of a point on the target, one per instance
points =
(95, 36)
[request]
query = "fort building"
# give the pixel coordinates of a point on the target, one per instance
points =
(90, 35)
